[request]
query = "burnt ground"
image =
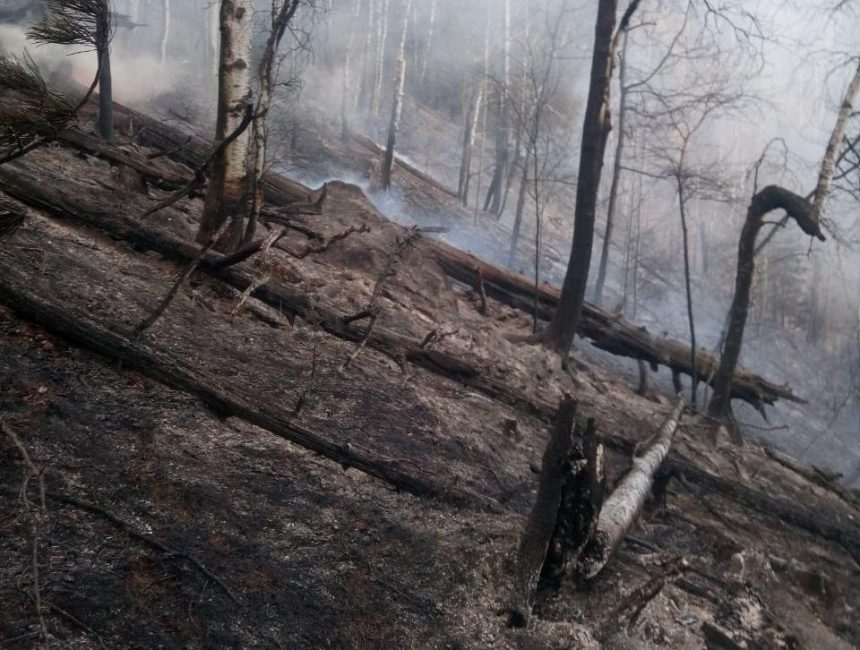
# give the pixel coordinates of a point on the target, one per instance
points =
(146, 484)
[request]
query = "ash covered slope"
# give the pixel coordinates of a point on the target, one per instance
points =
(149, 430)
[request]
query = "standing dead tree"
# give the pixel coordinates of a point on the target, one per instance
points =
(561, 330)
(807, 215)
(625, 91)
(497, 189)
(87, 23)
(282, 12)
(541, 120)
(570, 524)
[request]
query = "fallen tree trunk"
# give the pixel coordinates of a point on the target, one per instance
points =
(821, 522)
(607, 331)
(74, 326)
(156, 175)
(50, 197)
(87, 208)
(193, 151)
(626, 501)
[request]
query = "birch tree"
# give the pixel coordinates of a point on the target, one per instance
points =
(228, 187)
(397, 102)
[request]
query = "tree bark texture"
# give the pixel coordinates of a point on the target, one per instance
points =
(560, 332)
(626, 501)
(767, 200)
(228, 187)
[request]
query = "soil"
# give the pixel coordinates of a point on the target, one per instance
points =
(316, 556)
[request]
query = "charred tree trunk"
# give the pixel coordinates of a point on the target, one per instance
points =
(688, 288)
(541, 524)
(228, 188)
(521, 204)
(394, 125)
(595, 130)
(769, 199)
(105, 118)
(495, 193)
(623, 505)
(616, 177)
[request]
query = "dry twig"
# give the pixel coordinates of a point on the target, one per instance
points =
(36, 519)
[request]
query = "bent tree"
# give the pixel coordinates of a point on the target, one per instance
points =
(807, 215)
(559, 334)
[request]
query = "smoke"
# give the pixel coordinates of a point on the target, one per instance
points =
(787, 74)
(138, 78)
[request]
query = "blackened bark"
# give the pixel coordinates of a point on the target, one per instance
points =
(542, 521)
(595, 131)
(105, 118)
(581, 499)
(769, 199)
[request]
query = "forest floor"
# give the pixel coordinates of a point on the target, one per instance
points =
(171, 522)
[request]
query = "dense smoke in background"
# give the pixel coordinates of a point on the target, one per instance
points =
(772, 73)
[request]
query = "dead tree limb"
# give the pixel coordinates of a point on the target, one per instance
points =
(541, 523)
(68, 322)
(149, 321)
(628, 610)
(159, 177)
(625, 502)
(132, 532)
(201, 172)
(37, 515)
(372, 310)
(606, 330)
(813, 475)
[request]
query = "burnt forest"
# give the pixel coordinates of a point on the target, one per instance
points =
(382, 324)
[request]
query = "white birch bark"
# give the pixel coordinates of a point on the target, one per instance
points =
(828, 163)
(397, 105)
(380, 56)
(624, 504)
(165, 29)
(429, 44)
(229, 183)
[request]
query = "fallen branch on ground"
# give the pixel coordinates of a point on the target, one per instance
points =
(372, 310)
(69, 322)
(37, 515)
(623, 505)
(149, 321)
(638, 599)
(143, 537)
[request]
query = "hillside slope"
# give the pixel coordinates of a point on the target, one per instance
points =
(228, 480)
